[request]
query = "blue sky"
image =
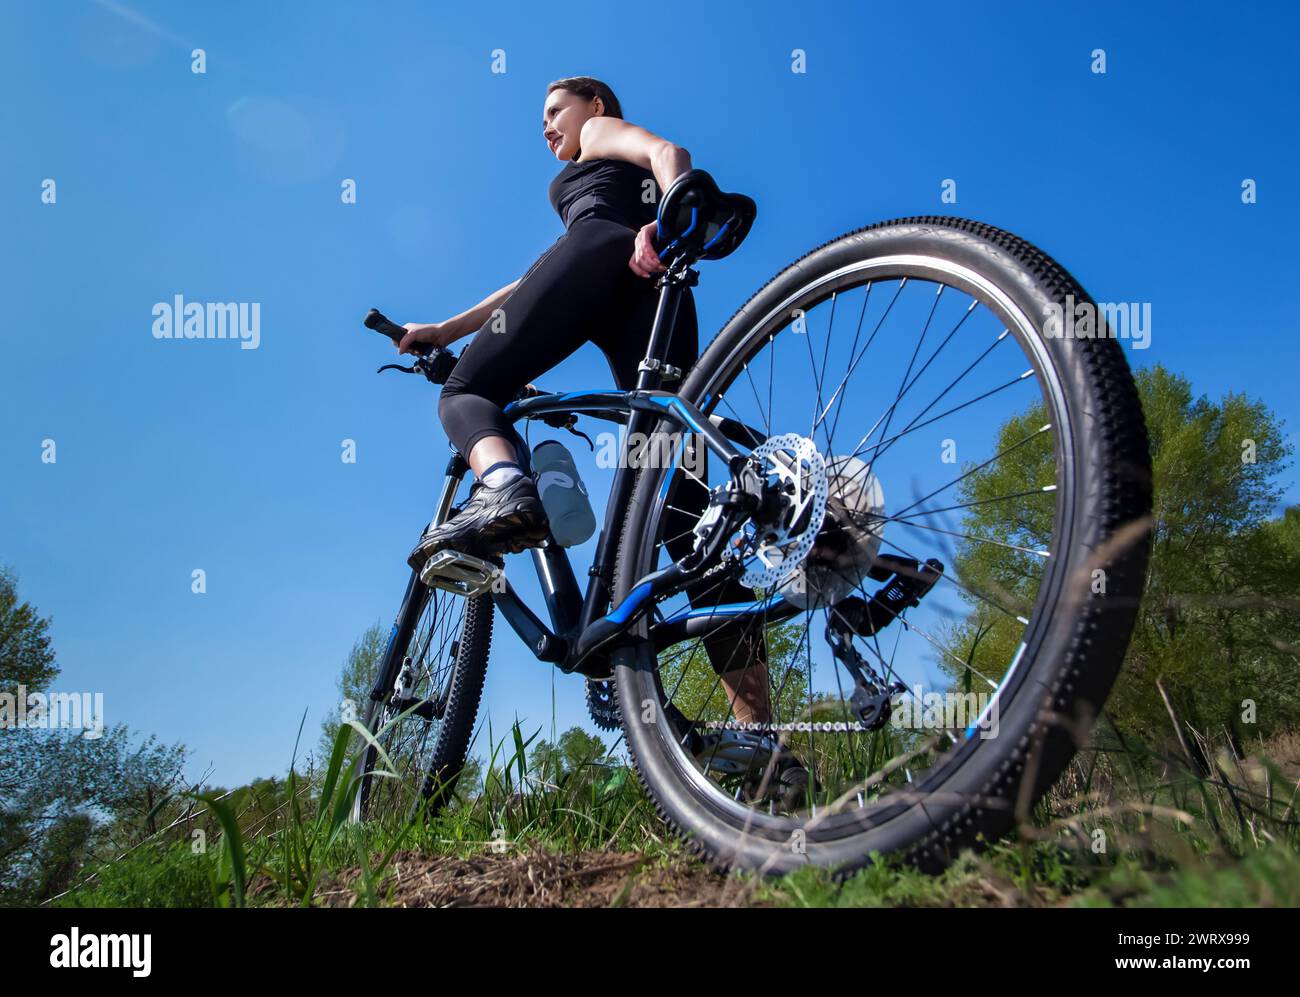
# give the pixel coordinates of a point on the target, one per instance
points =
(224, 186)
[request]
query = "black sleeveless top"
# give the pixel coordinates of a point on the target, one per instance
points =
(605, 188)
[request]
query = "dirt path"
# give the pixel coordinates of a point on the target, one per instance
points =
(587, 879)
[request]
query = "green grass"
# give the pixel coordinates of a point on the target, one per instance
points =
(1127, 825)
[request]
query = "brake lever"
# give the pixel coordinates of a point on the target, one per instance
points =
(398, 366)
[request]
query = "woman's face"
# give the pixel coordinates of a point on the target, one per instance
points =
(563, 116)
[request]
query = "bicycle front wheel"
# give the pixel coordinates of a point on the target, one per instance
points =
(435, 666)
(953, 429)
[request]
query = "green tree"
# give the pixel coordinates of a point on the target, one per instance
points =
(1006, 577)
(1222, 591)
(1220, 619)
(61, 854)
(575, 759)
(26, 657)
(66, 799)
(53, 778)
(694, 688)
(353, 683)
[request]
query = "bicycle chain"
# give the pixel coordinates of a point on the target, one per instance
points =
(815, 727)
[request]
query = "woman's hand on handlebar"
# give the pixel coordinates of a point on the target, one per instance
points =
(645, 261)
(420, 337)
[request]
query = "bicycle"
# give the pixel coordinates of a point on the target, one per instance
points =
(1035, 611)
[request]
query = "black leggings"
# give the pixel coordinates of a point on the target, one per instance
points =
(582, 290)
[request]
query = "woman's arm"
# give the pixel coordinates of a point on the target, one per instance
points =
(614, 138)
(457, 327)
(471, 320)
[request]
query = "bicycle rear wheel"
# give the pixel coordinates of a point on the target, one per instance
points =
(919, 353)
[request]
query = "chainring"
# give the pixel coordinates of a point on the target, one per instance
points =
(602, 704)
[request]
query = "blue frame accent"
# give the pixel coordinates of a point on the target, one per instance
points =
(510, 409)
(659, 230)
(629, 605)
(674, 402)
(668, 479)
(993, 700)
(730, 609)
(726, 225)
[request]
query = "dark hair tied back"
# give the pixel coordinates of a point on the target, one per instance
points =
(587, 87)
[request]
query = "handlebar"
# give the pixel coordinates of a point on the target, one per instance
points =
(437, 363)
(434, 362)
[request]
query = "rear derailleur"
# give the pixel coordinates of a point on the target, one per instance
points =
(906, 583)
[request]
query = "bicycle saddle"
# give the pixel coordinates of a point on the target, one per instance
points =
(702, 221)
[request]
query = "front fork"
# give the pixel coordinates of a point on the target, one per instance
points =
(391, 672)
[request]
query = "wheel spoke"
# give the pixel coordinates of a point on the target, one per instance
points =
(903, 385)
(977, 467)
(966, 536)
(883, 447)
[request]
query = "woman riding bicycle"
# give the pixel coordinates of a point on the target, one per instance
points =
(852, 370)
(592, 285)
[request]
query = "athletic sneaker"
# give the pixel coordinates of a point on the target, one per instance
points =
(494, 520)
(788, 783)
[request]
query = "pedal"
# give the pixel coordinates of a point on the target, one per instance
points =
(734, 752)
(452, 571)
(908, 586)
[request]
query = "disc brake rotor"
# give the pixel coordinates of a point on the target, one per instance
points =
(772, 552)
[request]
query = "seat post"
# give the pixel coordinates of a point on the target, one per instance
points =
(671, 282)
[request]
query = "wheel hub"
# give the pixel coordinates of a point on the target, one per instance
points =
(848, 542)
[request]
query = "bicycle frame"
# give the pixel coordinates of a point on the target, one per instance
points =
(582, 623)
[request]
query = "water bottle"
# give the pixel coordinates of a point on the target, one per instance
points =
(563, 494)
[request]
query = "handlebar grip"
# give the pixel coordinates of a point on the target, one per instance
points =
(377, 320)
